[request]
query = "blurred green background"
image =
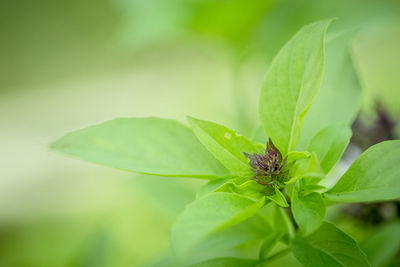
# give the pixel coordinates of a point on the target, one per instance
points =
(68, 64)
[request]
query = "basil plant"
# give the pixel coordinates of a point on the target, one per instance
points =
(266, 196)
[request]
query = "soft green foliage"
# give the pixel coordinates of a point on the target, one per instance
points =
(374, 176)
(282, 223)
(229, 240)
(206, 215)
(298, 155)
(211, 186)
(383, 245)
(248, 213)
(306, 168)
(268, 244)
(144, 145)
(278, 198)
(329, 144)
(226, 262)
(308, 210)
(225, 144)
(328, 246)
(259, 135)
(338, 101)
(244, 186)
(292, 83)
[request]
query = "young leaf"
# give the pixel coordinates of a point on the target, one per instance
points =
(249, 188)
(374, 176)
(278, 198)
(339, 98)
(306, 168)
(308, 211)
(143, 145)
(225, 144)
(268, 244)
(291, 84)
(328, 246)
(297, 155)
(226, 262)
(310, 187)
(211, 186)
(329, 144)
(207, 215)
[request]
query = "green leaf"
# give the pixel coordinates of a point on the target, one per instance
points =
(227, 242)
(278, 198)
(226, 145)
(143, 145)
(274, 259)
(207, 215)
(309, 187)
(291, 84)
(339, 98)
(268, 244)
(259, 135)
(383, 245)
(329, 144)
(374, 176)
(328, 246)
(297, 155)
(308, 210)
(306, 168)
(211, 186)
(169, 196)
(249, 188)
(283, 224)
(227, 262)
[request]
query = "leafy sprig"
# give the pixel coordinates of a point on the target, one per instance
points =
(250, 183)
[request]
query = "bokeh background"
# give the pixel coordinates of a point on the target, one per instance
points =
(66, 64)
